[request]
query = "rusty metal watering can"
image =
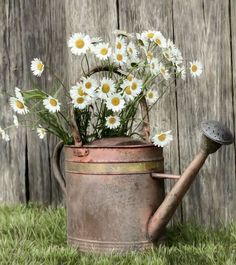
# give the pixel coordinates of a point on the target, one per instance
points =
(115, 189)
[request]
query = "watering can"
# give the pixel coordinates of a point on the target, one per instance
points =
(115, 190)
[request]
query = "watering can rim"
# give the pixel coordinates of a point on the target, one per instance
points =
(131, 143)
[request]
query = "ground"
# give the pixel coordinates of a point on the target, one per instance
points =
(36, 235)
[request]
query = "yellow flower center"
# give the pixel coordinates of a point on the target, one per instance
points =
(53, 102)
(105, 88)
(88, 85)
(119, 45)
(19, 104)
(80, 100)
(150, 95)
(79, 43)
(194, 68)
(149, 55)
(130, 77)
(119, 57)
(104, 51)
(150, 35)
(128, 90)
(134, 86)
(162, 137)
(112, 120)
(81, 92)
(158, 41)
(162, 70)
(115, 101)
(130, 50)
(40, 66)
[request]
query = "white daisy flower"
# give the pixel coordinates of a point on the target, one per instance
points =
(196, 68)
(120, 44)
(136, 86)
(96, 40)
(164, 72)
(120, 57)
(180, 70)
(123, 33)
(149, 35)
(5, 136)
(162, 139)
(167, 53)
(77, 90)
(81, 102)
(149, 54)
(130, 77)
(132, 50)
(151, 96)
(102, 51)
(37, 67)
(15, 121)
(112, 122)
(18, 94)
(142, 38)
(170, 44)
(159, 39)
(115, 102)
(127, 91)
(18, 105)
(51, 104)
(41, 132)
(177, 56)
(154, 66)
(89, 85)
(79, 43)
(107, 87)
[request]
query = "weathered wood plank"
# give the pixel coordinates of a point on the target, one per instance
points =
(43, 31)
(202, 31)
(95, 18)
(13, 154)
(137, 16)
(232, 17)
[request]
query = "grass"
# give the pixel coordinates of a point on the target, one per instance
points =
(34, 234)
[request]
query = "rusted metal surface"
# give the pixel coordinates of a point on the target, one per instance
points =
(167, 208)
(108, 208)
(214, 135)
(115, 194)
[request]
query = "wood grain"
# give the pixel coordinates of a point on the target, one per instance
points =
(231, 212)
(202, 31)
(43, 34)
(13, 154)
(137, 16)
(95, 18)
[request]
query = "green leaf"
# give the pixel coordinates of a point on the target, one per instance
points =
(34, 94)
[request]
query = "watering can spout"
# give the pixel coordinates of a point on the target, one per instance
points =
(214, 136)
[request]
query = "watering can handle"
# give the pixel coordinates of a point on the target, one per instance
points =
(56, 166)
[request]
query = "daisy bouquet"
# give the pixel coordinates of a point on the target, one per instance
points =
(132, 74)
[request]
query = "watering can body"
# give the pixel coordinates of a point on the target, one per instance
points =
(111, 194)
(115, 197)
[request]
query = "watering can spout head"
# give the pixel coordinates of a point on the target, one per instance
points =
(214, 135)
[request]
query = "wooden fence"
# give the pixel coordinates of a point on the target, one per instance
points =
(202, 29)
